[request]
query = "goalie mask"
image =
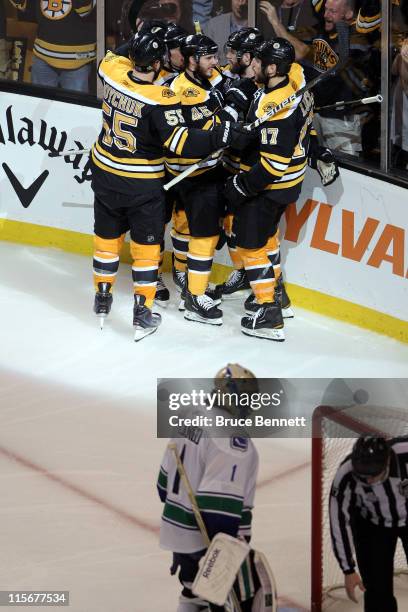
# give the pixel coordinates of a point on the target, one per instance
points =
(233, 383)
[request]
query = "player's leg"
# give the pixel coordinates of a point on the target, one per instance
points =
(237, 284)
(274, 255)
(146, 219)
(253, 225)
(375, 550)
(110, 228)
(162, 293)
(203, 204)
(187, 566)
(180, 237)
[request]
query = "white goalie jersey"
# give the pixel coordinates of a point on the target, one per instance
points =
(222, 473)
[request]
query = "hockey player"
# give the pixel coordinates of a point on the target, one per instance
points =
(369, 508)
(222, 473)
(272, 172)
(200, 202)
(240, 47)
(139, 118)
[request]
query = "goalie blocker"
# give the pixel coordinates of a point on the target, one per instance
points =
(230, 563)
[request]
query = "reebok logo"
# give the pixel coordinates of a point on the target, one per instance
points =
(211, 563)
(25, 195)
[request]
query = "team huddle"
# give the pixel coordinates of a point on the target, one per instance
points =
(167, 105)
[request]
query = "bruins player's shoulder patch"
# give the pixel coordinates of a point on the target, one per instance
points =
(266, 108)
(191, 92)
(168, 93)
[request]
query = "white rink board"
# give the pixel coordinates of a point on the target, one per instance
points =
(316, 257)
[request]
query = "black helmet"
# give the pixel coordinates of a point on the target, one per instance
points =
(370, 457)
(245, 40)
(144, 49)
(174, 36)
(197, 45)
(153, 26)
(277, 51)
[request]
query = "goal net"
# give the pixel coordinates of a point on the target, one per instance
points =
(334, 433)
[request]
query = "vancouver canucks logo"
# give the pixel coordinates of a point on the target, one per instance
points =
(324, 56)
(191, 92)
(56, 9)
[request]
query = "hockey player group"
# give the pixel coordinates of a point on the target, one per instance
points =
(168, 104)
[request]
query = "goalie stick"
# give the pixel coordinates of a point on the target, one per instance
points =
(253, 126)
(196, 510)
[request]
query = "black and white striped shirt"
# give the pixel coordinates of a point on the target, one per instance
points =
(382, 504)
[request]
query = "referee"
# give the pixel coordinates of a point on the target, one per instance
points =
(369, 509)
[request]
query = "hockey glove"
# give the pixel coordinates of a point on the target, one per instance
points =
(222, 135)
(242, 138)
(236, 191)
(322, 160)
(240, 94)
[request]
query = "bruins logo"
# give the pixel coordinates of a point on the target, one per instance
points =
(191, 92)
(268, 107)
(168, 93)
(56, 9)
(324, 57)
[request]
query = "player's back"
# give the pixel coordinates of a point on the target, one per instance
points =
(128, 154)
(222, 473)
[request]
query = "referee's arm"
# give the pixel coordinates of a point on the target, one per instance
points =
(341, 495)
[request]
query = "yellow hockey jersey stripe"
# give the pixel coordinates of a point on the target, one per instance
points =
(129, 160)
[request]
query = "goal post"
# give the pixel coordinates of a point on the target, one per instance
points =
(334, 430)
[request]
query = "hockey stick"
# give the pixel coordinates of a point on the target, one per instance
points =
(69, 153)
(196, 510)
(253, 126)
(341, 104)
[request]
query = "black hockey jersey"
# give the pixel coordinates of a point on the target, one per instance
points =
(65, 40)
(202, 105)
(139, 119)
(277, 162)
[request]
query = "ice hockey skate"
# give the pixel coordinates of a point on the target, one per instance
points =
(162, 297)
(202, 309)
(251, 305)
(145, 321)
(266, 322)
(103, 302)
(283, 298)
(212, 292)
(236, 285)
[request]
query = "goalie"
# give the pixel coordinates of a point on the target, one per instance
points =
(221, 474)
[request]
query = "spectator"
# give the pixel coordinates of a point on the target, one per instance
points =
(65, 45)
(202, 10)
(176, 11)
(335, 40)
(399, 118)
(219, 28)
(297, 16)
